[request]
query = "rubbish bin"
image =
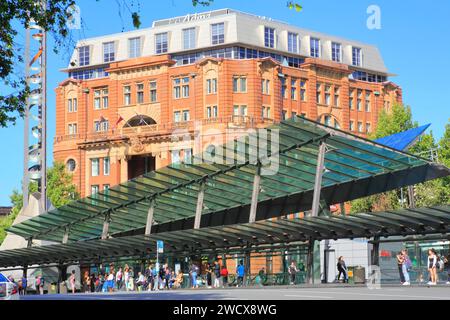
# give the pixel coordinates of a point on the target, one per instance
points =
(52, 288)
(359, 275)
(350, 275)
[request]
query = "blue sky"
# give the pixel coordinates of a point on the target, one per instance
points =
(413, 41)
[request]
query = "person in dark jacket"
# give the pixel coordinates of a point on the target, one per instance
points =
(342, 269)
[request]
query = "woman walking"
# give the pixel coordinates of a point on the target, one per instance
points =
(432, 266)
(72, 281)
(194, 272)
(406, 266)
(86, 282)
(342, 268)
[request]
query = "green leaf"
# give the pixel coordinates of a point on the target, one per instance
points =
(136, 20)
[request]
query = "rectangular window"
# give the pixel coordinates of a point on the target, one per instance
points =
(69, 105)
(352, 126)
(94, 189)
(293, 89)
(327, 95)
(293, 114)
(367, 103)
(161, 41)
(188, 156)
(189, 38)
(83, 56)
(177, 88)
(211, 86)
(283, 115)
(217, 33)
(368, 128)
(95, 167)
(356, 56)
(175, 155)
(319, 93)
(359, 101)
(239, 84)
(97, 100)
(177, 116)
(265, 84)
(140, 93)
(72, 128)
(292, 42)
(283, 88)
(134, 47)
(360, 127)
(127, 95)
(314, 47)
(186, 116)
(336, 52)
(327, 120)
(105, 99)
(269, 37)
(108, 52)
(105, 125)
(106, 187)
(240, 110)
(106, 166)
(153, 91)
(74, 105)
(336, 96)
(185, 87)
(303, 90)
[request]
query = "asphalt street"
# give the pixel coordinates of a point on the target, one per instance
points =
(285, 293)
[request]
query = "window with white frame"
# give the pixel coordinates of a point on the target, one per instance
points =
(217, 33)
(72, 105)
(188, 156)
(359, 101)
(106, 187)
(95, 167)
(185, 87)
(94, 189)
(356, 56)
(108, 51)
(368, 100)
(101, 99)
(161, 43)
(239, 84)
(336, 52)
(211, 112)
(176, 88)
(314, 47)
(368, 128)
(327, 94)
(134, 47)
(189, 38)
(360, 126)
(336, 96)
(72, 128)
(186, 115)
(177, 116)
(153, 91)
(106, 166)
(140, 93)
(292, 42)
(240, 110)
(265, 85)
(293, 89)
(211, 86)
(127, 95)
(175, 155)
(352, 125)
(83, 56)
(269, 37)
(319, 93)
(303, 89)
(101, 125)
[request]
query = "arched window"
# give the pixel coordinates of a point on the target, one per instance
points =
(71, 165)
(140, 120)
(329, 120)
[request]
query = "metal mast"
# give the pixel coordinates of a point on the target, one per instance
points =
(35, 166)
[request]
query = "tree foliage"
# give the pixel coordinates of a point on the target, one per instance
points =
(60, 191)
(430, 193)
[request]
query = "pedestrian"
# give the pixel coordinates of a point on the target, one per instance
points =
(149, 277)
(342, 269)
(292, 270)
(216, 274)
(92, 283)
(110, 280)
(432, 265)
(178, 280)
(119, 277)
(400, 260)
(406, 267)
(126, 276)
(261, 277)
(224, 276)
(155, 278)
(447, 266)
(86, 282)
(194, 272)
(172, 279)
(209, 272)
(167, 277)
(140, 281)
(72, 281)
(23, 290)
(240, 272)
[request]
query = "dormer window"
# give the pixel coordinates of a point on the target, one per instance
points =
(83, 56)
(356, 56)
(269, 37)
(108, 52)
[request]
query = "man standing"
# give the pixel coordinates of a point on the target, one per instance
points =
(240, 271)
(216, 274)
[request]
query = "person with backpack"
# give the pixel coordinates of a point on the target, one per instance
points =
(406, 267)
(292, 270)
(224, 276)
(342, 269)
(240, 272)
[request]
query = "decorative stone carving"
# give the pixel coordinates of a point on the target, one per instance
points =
(136, 144)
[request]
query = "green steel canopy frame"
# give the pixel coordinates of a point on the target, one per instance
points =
(355, 167)
(423, 221)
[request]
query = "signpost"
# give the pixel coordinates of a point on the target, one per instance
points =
(159, 249)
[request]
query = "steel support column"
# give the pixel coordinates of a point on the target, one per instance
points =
(151, 210)
(255, 194)
(310, 262)
(248, 269)
(65, 238)
(106, 226)
(318, 179)
(376, 251)
(199, 209)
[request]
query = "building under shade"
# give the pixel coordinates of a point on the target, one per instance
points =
(209, 208)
